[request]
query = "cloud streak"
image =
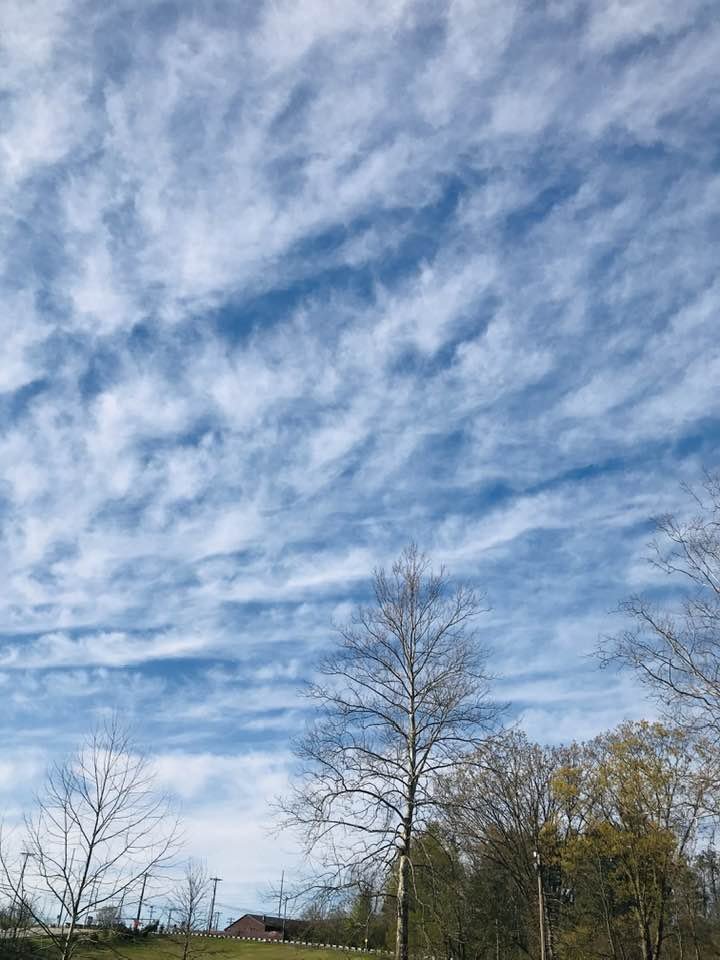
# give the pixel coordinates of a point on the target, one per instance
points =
(286, 287)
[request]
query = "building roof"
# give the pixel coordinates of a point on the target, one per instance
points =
(270, 923)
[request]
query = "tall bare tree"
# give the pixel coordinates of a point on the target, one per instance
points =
(189, 904)
(675, 647)
(399, 702)
(98, 828)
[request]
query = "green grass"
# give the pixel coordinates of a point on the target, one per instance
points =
(168, 948)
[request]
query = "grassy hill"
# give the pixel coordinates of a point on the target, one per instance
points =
(168, 948)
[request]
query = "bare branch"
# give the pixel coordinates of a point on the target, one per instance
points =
(401, 700)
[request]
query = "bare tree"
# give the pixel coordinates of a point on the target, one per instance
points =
(399, 703)
(189, 903)
(98, 828)
(15, 927)
(676, 651)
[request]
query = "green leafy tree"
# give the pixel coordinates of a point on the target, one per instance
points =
(646, 790)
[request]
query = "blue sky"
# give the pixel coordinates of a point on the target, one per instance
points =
(285, 285)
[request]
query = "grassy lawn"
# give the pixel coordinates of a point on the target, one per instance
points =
(167, 948)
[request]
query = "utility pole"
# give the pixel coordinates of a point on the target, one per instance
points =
(140, 902)
(92, 900)
(216, 881)
(152, 911)
(280, 900)
(541, 902)
(68, 893)
(122, 904)
(25, 855)
(284, 917)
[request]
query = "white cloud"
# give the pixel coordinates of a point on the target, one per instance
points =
(626, 21)
(286, 288)
(18, 770)
(104, 649)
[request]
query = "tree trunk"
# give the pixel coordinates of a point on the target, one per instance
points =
(67, 943)
(549, 931)
(403, 908)
(693, 930)
(606, 913)
(67, 946)
(660, 933)
(646, 943)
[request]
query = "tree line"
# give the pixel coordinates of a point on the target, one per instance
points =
(477, 842)
(602, 848)
(432, 827)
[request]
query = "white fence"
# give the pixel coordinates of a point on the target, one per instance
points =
(296, 943)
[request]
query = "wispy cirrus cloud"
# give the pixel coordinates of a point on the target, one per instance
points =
(287, 286)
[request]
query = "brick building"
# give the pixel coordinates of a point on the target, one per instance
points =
(263, 927)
